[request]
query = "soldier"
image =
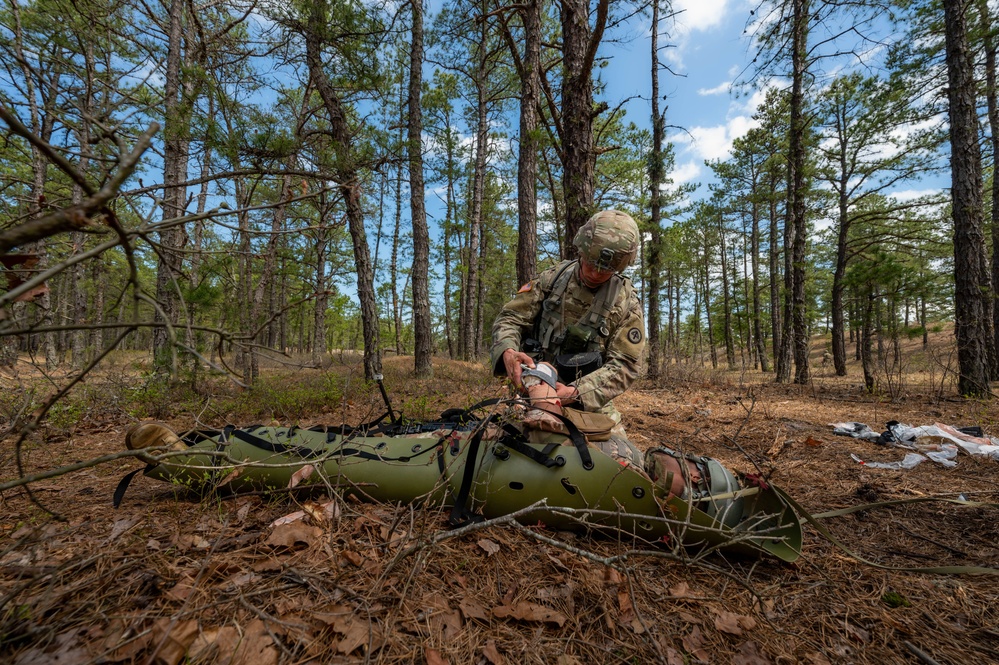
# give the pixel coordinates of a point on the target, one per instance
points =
(581, 316)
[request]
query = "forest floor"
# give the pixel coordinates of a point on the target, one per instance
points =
(171, 578)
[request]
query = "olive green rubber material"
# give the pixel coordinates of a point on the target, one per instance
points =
(408, 469)
(369, 467)
(766, 522)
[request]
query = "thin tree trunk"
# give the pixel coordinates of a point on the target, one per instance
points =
(449, 221)
(726, 299)
(754, 253)
(350, 188)
(654, 258)
(469, 317)
(989, 46)
(175, 153)
(527, 162)
(579, 48)
(864, 345)
(422, 340)
(796, 197)
(707, 306)
(776, 320)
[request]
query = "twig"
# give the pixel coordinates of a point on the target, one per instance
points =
(919, 653)
(75, 218)
(44, 409)
(62, 470)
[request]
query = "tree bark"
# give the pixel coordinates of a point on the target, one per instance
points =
(989, 46)
(422, 340)
(579, 44)
(754, 253)
(799, 311)
(726, 299)
(972, 318)
(350, 188)
(654, 254)
(175, 154)
(527, 162)
(469, 317)
(776, 320)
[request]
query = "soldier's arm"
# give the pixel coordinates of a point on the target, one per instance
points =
(622, 363)
(515, 320)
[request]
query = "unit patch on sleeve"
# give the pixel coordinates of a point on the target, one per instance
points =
(634, 335)
(526, 287)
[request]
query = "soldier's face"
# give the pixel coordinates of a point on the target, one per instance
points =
(591, 276)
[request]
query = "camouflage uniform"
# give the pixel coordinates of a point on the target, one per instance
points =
(621, 348)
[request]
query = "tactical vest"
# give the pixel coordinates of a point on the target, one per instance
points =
(550, 329)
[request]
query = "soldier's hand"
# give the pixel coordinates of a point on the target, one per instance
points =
(567, 394)
(512, 360)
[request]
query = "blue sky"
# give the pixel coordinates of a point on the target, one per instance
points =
(709, 51)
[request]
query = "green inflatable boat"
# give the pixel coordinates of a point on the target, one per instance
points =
(488, 468)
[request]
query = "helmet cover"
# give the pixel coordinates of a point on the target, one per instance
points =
(608, 240)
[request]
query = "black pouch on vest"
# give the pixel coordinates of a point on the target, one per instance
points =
(572, 366)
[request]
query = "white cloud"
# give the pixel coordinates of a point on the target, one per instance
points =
(711, 142)
(698, 14)
(691, 16)
(719, 89)
(913, 194)
(684, 173)
(714, 142)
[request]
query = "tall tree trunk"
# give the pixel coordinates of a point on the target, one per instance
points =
(244, 280)
(579, 44)
(972, 316)
(322, 294)
(175, 154)
(97, 275)
(83, 139)
(842, 236)
(42, 125)
(654, 254)
(864, 344)
(422, 340)
(799, 310)
(707, 304)
(469, 315)
(754, 253)
(776, 320)
(449, 221)
(527, 162)
(783, 359)
(989, 46)
(394, 262)
(726, 299)
(350, 188)
(265, 284)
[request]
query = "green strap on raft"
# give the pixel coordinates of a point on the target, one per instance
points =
(489, 472)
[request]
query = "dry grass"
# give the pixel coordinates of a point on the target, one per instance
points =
(170, 574)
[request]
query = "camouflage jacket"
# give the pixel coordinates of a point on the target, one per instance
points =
(622, 348)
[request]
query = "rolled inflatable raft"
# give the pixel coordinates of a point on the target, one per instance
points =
(485, 470)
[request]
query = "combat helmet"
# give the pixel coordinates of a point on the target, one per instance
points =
(608, 240)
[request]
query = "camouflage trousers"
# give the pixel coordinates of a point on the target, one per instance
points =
(621, 448)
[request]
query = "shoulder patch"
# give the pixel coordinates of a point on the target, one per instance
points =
(526, 287)
(634, 335)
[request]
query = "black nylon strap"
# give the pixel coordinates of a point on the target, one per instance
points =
(530, 452)
(258, 442)
(119, 492)
(514, 440)
(460, 515)
(578, 440)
